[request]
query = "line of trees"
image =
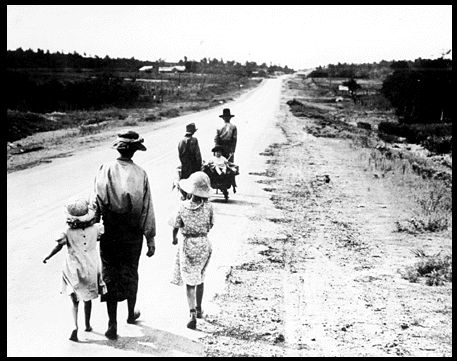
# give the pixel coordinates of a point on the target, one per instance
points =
(215, 66)
(29, 59)
(360, 71)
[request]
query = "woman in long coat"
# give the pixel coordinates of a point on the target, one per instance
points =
(122, 198)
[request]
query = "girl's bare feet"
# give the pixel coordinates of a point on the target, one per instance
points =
(74, 335)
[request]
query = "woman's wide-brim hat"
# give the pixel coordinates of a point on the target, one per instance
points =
(226, 113)
(217, 148)
(77, 209)
(129, 140)
(197, 184)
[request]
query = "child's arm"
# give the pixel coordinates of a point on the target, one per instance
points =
(54, 251)
(175, 236)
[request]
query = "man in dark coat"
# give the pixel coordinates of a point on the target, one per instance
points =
(122, 198)
(189, 153)
(226, 136)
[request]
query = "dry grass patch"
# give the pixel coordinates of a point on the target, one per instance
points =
(434, 269)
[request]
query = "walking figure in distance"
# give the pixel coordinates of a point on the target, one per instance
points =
(194, 218)
(81, 276)
(227, 136)
(189, 154)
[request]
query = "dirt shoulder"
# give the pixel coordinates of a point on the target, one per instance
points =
(325, 277)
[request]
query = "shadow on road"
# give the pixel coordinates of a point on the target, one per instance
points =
(233, 201)
(154, 342)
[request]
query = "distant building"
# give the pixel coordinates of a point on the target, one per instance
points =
(172, 69)
(146, 68)
(343, 88)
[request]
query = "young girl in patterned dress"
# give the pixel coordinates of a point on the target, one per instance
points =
(195, 218)
(81, 276)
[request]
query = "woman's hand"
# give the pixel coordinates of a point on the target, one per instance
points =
(44, 261)
(175, 240)
(151, 250)
(151, 247)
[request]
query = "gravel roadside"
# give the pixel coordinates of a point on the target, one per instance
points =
(323, 277)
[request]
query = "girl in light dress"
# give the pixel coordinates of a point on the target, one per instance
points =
(81, 274)
(194, 218)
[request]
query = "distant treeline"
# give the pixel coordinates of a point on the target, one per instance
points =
(359, 71)
(29, 59)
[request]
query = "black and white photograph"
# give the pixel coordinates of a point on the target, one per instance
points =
(229, 180)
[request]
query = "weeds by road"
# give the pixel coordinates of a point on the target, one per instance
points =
(339, 277)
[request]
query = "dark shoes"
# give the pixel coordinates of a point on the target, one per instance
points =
(74, 336)
(111, 333)
(132, 318)
(192, 324)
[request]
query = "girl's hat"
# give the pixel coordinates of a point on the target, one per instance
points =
(197, 184)
(217, 148)
(129, 139)
(77, 209)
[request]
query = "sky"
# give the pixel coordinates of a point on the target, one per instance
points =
(299, 36)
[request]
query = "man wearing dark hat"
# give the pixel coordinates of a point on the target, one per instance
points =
(226, 136)
(122, 198)
(189, 153)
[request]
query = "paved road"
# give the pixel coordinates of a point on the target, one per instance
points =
(39, 318)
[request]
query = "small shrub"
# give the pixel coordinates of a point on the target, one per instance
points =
(169, 113)
(130, 122)
(85, 129)
(151, 118)
(438, 144)
(418, 133)
(436, 269)
(364, 125)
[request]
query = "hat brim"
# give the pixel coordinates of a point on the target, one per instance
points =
(226, 116)
(187, 186)
(89, 216)
(217, 149)
(119, 145)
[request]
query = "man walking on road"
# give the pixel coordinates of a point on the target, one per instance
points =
(226, 136)
(122, 198)
(189, 153)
